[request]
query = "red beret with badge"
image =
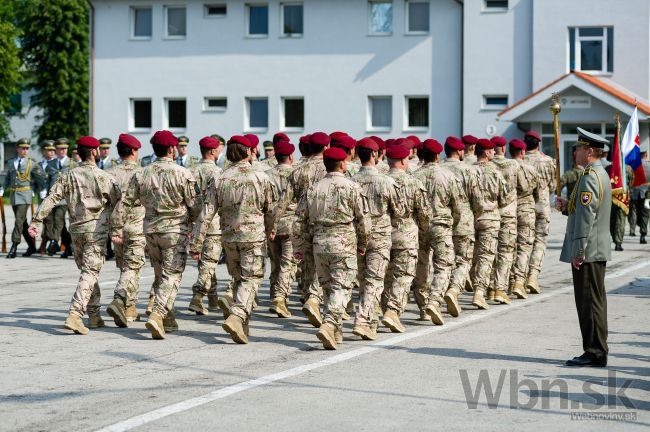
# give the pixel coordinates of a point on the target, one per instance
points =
(130, 141)
(533, 134)
(518, 144)
(305, 139)
(335, 153)
(337, 135)
(469, 139)
(405, 142)
(380, 142)
(238, 139)
(164, 138)
(320, 138)
(253, 139)
(346, 142)
(485, 144)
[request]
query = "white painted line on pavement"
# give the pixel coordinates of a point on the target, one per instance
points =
(222, 393)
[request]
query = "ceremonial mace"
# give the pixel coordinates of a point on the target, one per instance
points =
(555, 108)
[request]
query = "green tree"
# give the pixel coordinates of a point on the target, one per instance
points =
(54, 47)
(9, 64)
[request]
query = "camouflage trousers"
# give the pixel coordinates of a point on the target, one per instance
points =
(89, 257)
(168, 255)
(617, 224)
(372, 271)
(423, 274)
(336, 275)
(309, 276)
(206, 282)
(399, 277)
(525, 238)
(442, 262)
(464, 253)
(129, 258)
(505, 253)
(487, 241)
(542, 222)
(55, 222)
(283, 266)
(245, 262)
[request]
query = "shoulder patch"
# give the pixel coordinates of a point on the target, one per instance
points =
(585, 198)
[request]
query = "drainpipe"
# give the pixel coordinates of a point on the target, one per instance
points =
(91, 66)
(462, 64)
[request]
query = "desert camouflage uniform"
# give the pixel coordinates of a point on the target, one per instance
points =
(352, 169)
(55, 222)
(382, 167)
(469, 159)
(168, 192)
(242, 197)
(332, 215)
(570, 178)
(526, 185)
(384, 203)
(270, 162)
(129, 256)
(91, 195)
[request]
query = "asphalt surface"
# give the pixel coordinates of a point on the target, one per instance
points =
(425, 379)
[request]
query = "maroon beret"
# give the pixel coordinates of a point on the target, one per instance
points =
(417, 142)
(368, 143)
(469, 139)
(164, 138)
(346, 142)
(517, 143)
(305, 139)
(320, 138)
(533, 134)
(209, 142)
(397, 152)
(455, 143)
(337, 134)
(380, 142)
(88, 141)
(499, 141)
(238, 139)
(284, 148)
(129, 141)
(405, 142)
(432, 145)
(335, 153)
(280, 137)
(253, 139)
(390, 142)
(485, 143)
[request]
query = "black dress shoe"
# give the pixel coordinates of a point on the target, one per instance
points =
(618, 247)
(12, 250)
(30, 250)
(642, 241)
(632, 234)
(587, 360)
(53, 248)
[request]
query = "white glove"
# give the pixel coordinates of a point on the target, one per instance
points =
(2, 191)
(42, 194)
(646, 203)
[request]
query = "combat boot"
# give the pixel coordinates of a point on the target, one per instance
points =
(73, 322)
(391, 320)
(433, 311)
(132, 314)
(326, 334)
(311, 309)
(234, 325)
(213, 302)
(479, 300)
(451, 298)
(152, 300)
(12, 250)
(423, 315)
(118, 312)
(373, 329)
(169, 322)
(490, 294)
(95, 321)
(280, 305)
(338, 335)
(196, 305)
(225, 303)
(364, 331)
(519, 291)
(155, 326)
(532, 284)
(500, 296)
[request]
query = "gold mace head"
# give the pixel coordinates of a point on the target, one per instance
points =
(555, 104)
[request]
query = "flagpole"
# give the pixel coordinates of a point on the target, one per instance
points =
(555, 109)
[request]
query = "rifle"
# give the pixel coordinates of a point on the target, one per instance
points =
(4, 225)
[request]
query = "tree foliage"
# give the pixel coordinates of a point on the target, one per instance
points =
(54, 48)
(9, 64)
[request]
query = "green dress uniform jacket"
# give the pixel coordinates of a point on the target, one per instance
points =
(22, 181)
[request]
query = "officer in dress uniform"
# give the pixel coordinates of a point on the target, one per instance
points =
(105, 161)
(183, 159)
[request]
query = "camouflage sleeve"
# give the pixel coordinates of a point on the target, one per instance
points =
(396, 201)
(56, 195)
(475, 195)
(503, 192)
(270, 197)
(193, 200)
(286, 198)
(362, 222)
(129, 199)
(422, 208)
(300, 238)
(551, 177)
(204, 219)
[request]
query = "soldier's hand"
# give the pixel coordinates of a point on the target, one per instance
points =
(298, 255)
(271, 235)
(33, 231)
(118, 240)
(560, 204)
(362, 252)
(196, 256)
(577, 262)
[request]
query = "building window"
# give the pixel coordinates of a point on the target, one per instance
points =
(292, 19)
(175, 19)
(215, 10)
(380, 17)
(215, 104)
(293, 110)
(176, 113)
(417, 16)
(417, 114)
(258, 20)
(257, 110)
(591, 49)
(495, 102)
(141, 22)
(495, 5)
(140, 114)
(380, 112)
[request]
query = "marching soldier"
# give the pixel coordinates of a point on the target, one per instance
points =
(587, 247)
(129, 255)
(105, 162)
(24, 177)
(183, 159)
(470, 147)
(334, 213)
(242, 197)
(55, 222)
(92, 194)
(347, 144)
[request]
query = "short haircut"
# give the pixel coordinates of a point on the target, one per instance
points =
(85, 153)
(305, 149)
(597, 152)
(331, 165)
(160, 150)
(124, 150)
(449, 150)
(364, 154)
(316, 149)
(281, 158)
(236, 152)
(479, 151)
(428, 155)
(514, 151)
(205, 151)
(531, 142)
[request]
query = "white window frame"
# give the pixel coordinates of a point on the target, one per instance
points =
(407, 18)
(283, 126)
(486, 9)
(369, 18)
(491, 107)
(131, 122)
(208, 108)
(577, 49)
(208, 16)
(369, 126)
(132, 35)
(247, 114)
(407, 126)
(247, 19)
(166, 25)
(165, 121)
(291, 35)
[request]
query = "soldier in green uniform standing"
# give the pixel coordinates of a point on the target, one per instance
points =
(619, 216)
(24, 175)
(183, 159)
(55, 222)
(587, 247)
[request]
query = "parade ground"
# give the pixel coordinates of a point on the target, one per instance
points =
(500, 369)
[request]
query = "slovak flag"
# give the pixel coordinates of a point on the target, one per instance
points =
(631, 147)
